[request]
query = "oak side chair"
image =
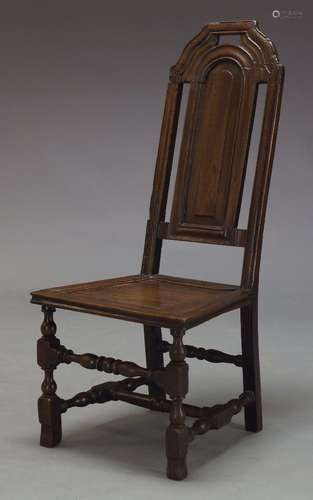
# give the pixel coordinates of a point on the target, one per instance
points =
(222, 79)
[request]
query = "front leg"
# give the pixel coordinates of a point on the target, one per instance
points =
(49, 411)
(177, 433)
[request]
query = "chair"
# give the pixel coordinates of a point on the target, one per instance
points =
(223, 81)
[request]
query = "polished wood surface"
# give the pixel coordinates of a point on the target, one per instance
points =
(157, 300)
(222, 81)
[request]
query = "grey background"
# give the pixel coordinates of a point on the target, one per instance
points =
(81, 96)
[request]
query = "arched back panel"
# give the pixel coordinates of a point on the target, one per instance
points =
(223, 81)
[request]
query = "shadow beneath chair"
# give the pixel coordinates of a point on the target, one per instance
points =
(288, 401)
(137, 442)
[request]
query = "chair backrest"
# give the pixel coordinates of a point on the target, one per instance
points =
(223, 81)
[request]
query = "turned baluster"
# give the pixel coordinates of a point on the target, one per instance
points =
(49, 403)
(101, 393)
(221, 414)
(103, 363)
(211, 355)
(177, 433)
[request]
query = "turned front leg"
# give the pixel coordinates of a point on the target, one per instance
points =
(48, 404)
(177, 433)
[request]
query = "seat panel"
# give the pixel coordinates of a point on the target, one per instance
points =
(158, 300)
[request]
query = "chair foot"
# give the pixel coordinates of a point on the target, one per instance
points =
(176, 469)
(50, 420)
(177, 440)
(253, 423)
(50, 436)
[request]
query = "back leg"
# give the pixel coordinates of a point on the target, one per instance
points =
(154, 355)
(251, 364)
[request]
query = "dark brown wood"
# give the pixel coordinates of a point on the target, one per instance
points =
(158, 404)
(156, 300)
(153, 244)
(222, 414)
(252, 256)
(48, 403)
(154, 355)
(222, 81)
(236, 237)
(251, 365)
(101, 393)
(165, 378)
(217, 131)
(207, 417)
(211, 355)
(54, 354)
(103, 364)
(177, 433)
